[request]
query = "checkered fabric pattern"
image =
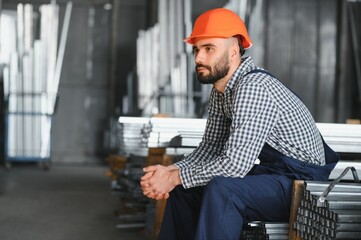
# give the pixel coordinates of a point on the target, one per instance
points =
(255, 109)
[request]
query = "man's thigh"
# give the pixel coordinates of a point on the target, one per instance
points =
(257, 197)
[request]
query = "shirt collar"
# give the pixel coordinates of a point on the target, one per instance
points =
(246, 66)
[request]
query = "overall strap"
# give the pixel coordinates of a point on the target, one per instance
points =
(331, 156)
(260, 71)
(269, 74)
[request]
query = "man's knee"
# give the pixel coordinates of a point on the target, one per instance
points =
(217, 186)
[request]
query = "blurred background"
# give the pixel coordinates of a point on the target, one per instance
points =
(127, 58)
(76, 76)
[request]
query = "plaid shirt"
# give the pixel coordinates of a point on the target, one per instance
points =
(255, 109)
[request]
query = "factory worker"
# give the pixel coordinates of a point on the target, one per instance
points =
(218, 188)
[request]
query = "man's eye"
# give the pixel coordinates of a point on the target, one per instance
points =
(208, 49)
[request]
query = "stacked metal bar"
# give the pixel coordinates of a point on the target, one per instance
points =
(31, 79)
(131, 135)
(338, 217)
(341, 165)
(277, 231)
(182, 135)
(133, 212)
(254, 231)
(186, 139)
(336, 135)
(258, 230)
(136, 134)
(161, 131)
(165, 78)
(124, 136)
(342, 137)
(27, 101)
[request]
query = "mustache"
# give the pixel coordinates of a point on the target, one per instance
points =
(198, 65)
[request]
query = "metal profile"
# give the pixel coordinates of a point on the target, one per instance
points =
(330, 210)
(29, 82)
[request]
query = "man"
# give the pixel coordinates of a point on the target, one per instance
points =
(218, 188)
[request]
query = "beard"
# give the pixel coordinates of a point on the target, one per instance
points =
(219, 71)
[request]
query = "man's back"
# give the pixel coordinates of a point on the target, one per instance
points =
(295, 134)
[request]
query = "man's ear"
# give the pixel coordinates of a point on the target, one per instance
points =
(234, 51)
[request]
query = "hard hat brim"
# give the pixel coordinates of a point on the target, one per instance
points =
(192, 40)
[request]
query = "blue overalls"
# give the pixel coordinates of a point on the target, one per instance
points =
(221, 208)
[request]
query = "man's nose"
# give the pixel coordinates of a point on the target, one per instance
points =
(199, 57)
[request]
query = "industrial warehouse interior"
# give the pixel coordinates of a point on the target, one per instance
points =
(93, 91)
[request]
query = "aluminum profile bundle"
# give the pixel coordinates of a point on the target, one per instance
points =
(165, 78)
(254, 231)
(191, 139)
(31, 78)
(258, 230)
(188, 138)
(277, 231)
(330, 211)
(131, 135)
(129, 190)
(128, 179)
(342, 137)
(140, 133)
(160, 131)
(341, 165)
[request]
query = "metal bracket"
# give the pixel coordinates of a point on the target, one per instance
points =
(322, 198)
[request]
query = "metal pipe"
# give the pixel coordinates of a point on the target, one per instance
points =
(316, 186)
(333, 218)
(356, 205)
(61, 51)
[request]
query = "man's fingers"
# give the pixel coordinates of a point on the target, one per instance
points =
(147, 191)
(145, 183)
(151, 168)
(147, 176)
(155, 195)
(150, 195)
(159, 196)
(154, 183)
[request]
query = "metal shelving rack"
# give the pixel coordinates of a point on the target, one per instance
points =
(31, 79)
(27, 129)
(165, 64)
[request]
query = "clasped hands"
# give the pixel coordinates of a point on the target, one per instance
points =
(159, 180)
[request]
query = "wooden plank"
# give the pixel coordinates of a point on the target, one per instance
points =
(158, 217)
(297, 196)
(157, 156)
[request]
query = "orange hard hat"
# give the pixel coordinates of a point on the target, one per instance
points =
(219, 23)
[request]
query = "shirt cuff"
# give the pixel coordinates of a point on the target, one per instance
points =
(181, 164)
(185, 175)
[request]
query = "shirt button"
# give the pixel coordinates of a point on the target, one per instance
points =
(303, 164)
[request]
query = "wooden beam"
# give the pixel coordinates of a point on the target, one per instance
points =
(297, 196)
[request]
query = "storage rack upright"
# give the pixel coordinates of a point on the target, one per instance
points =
(27, 129)
(31, 78)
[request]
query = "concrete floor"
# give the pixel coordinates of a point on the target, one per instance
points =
(66, 202)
